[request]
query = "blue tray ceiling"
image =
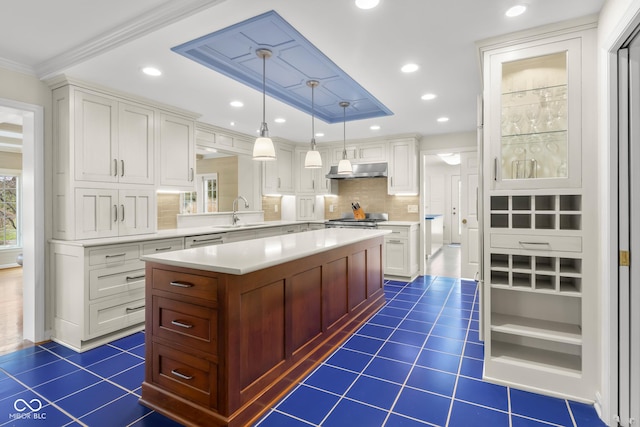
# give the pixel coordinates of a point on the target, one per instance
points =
(232, 52)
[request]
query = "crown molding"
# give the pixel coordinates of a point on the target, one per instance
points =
(166, 14)
(17, 67)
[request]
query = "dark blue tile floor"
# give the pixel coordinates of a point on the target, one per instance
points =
(417, 362)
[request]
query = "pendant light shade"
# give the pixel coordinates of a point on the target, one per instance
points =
(312, 160)
(344, 166)
(263, 148)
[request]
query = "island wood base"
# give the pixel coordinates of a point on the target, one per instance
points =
(221, 349)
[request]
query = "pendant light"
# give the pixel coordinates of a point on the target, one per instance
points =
(263, 147)
(344, 167)
(313, 160)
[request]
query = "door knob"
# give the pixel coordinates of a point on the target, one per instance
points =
(464, 221)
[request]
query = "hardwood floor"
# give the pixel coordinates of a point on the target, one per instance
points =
(11, 310)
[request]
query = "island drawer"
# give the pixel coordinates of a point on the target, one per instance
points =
(185, 284)
(186, 324)
(190, 377)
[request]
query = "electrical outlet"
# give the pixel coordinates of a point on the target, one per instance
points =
(412, 208)
(275, 208)
(331, 208)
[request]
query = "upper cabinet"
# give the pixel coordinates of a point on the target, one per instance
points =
(114, 141)
(177, 152)
(403, 167)
(313, 181)
(534, 114)
(277, 175)
(370, 152)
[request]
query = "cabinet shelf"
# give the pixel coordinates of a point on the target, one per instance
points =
(546, 137)
(560, 89)
(562, 363)
(536, 328)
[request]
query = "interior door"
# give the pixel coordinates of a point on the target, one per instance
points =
(456, 224)
(470, 235)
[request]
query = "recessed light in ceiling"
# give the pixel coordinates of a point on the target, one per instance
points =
(232, 123)
(236, 104)
(443, 119)
(319, 134)
(516, 10)
(375, 127)
(152, 71)
(280, 120)
(367, 4)
(409, 68)
(428, 96)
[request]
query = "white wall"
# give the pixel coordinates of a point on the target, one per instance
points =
(461, 141)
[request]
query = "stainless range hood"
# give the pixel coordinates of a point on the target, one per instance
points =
(361, 170)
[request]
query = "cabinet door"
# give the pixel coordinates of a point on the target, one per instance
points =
(395, 256)
(306, 178)
(325, 185)
(96, 213)
(286, 160)
(371, 153)
(403, 171)
(136, 212)
(177, 152)
(352, 154)
(306, 208)
(135, 144)
(95, 135)
(533, 116)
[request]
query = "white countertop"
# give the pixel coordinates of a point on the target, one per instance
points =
(257, 254)
(400, 223)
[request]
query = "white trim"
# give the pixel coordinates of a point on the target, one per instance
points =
(33, 237)
(161, 16)
(17, 67)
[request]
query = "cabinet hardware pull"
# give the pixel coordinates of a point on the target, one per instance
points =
(279, 182)
(191, 176)
(131, 310)
(181, 284)
(394, 241)
(524, 243)
(115, 255)
(115, 167)
(140, 276)
(122, 208)
(495, 168)
(313, 184)
(215, 239)
(121, 167)
(163, 249)
(181, 324)
(183, 376)
(115, 213)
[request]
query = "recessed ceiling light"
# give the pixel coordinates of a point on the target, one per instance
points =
(237, 104)
(280, 120)
(516, 10)
(375, 127)
(428, 96)
(443, 119)
(367, 4)
(409, 68)
(232, 123)
(152, 71)
(319, 134)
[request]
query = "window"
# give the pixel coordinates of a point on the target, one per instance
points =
(10, 221)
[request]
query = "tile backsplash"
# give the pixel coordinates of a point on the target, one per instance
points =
(372, 195)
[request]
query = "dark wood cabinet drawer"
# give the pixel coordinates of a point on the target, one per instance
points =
(186, 324)
(190, 377)
(186, 284)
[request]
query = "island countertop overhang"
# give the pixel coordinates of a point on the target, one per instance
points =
(253, 255)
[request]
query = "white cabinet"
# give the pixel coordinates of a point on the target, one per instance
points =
(306, 208)
(204, 240)
(278, 174)
(113, 140)
(370, 152)
(401, 253)
(99, 290)
(540, 292)
(110, 213)
(403, 167)
(314, 181)
(214, 138)
(177, 152)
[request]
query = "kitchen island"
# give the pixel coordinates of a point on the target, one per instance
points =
(231, 328)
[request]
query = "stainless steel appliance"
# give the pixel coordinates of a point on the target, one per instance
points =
(347, 220)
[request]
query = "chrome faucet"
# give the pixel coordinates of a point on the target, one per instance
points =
(234, 216)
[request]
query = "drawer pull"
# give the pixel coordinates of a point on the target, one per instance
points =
(132, 309)
(114, 256)
(163, 249)
(182, 284)
(215, 239)
(182, 325)
(394, 241)
(183, 376)
(128, 278)
(523, 243)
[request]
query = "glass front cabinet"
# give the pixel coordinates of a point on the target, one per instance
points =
(535, 116)
(539, 262)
